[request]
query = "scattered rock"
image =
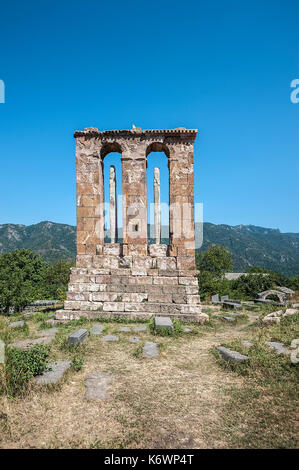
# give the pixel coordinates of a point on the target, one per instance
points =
(140, 328)
(229, 318)
(29, 343)
(54, 372)
(134, 339)
(96, 386)
(163, 322)
(295, 305)
(246, 344)
(279, 347)
(233, 356)
(49, 332)
(110, 338)
(78, 337)
(290, 311)
(187, 330)
(150, 349)
(53, 322)
(124, 328)
(96, 330)
(17, 324)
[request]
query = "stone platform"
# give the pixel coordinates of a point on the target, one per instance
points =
(138, 287)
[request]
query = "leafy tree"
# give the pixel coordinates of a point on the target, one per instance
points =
(22, 274)
(247, 287)
(216, 260)
(57, 278)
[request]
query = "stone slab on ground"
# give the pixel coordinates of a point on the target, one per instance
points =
(134, 339)
(30, 343)
(16, 324)
(124, 328)
(163, 322)
(187, 330)
(78, 336)
(247, 344)
(233, 314)
(28, 314)
(279, 347)
(230, 355)
(96, 386)
(55, 374)
(96, 329)
(228, 318)
(110, 338)
(150, 349)
(49, 332)
(140, 328)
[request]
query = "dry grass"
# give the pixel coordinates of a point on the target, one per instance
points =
(180, 400)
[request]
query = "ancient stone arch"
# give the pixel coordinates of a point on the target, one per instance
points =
(149, 279)
(281, 295)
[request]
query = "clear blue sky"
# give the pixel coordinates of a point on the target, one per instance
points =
(224, 67)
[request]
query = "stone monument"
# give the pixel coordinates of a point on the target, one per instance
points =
(134, 279)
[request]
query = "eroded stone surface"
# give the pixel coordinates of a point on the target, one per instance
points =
(279, 347)
(230, 355)
(29, 343)
(110, 338)
(54, 373)
(96, 329)
(49, 332)
(140, 328)
(247, 344)
(96, 386)
(124, 329)
(150, 349)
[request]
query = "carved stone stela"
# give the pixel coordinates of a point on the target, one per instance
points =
(133, 278)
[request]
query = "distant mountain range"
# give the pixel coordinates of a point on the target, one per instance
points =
(250, 245)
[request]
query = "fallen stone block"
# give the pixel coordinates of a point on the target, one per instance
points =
(163, 322)
(271, 319)
(96, 329)
(78, 337)
(124, 328)
(233, 356)
(279, 347)
(17, 324)
(140, 328)
(187, 330)
(150, 349)
(49, 332)
(30, 343)
(96, 386)
(110, 338)
(53, 374)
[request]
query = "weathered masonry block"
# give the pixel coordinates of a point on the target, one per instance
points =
(134, 278)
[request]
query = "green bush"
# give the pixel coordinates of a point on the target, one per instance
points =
(20, 367)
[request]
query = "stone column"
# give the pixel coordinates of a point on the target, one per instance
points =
(157, 208)
(134, 201)
(90, 195)
(181, 199)
(112, 205)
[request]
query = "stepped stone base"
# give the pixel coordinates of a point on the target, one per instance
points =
(136, 287)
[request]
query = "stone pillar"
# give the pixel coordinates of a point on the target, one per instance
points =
(181, 199)
(112, 205)
(90, 195)
(134, 201)
(157, 208)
